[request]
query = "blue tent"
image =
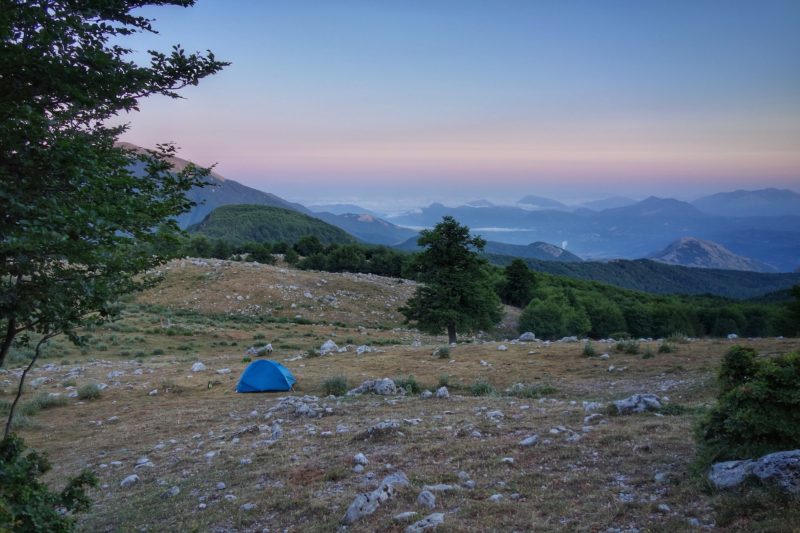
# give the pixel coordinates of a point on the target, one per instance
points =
(265, 376)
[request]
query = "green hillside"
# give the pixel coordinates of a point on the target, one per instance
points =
(260, 223)
(651, 276)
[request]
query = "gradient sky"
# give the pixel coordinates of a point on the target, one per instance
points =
(403, 102)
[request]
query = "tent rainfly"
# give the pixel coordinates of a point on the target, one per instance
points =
(265, 376)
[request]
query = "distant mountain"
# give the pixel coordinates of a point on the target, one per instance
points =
(479, 203)
(537, 250)
(761, 202)
(368, 228)
(607, 203)
(342, 209)
(691, 252)
(659, 278)
(221, 191)
(655, 207)
(540, 202)
(261, 223)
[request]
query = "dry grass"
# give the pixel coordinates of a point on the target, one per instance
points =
(303, 482)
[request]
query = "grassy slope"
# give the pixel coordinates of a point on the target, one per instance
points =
(304, 481)
(241, 223)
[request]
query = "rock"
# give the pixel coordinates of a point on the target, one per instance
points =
(153, 392)
(440, 487)
(358, 469)
(592, 419)
(495, 415)
(605, 357)
(469, 484)
(172, 492)
(198, 367)
(502, 348)
(426, 394)
(143, 462)
(383, 387)
(114, 374)
(360, 459)
(404, 517)
(426, 499)
(276, 431)
(590, 407)
(366, 503)
(363, 349)
(732, 336)
(247, 507)
(508, 460)
(327, 347)
(381, 429)
(638, 403)
(529, 441)
(38, 382)
(495, 498)
(129, 481)
(442, 392)
(224, 371)
(430, 521)
(230, 497)
(527, 337)
(220, 485)
(781, 469)
(664, 508)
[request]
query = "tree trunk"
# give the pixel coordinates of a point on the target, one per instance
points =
(451, 333)
(11, 332)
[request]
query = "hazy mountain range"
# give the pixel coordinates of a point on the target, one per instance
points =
(758, 230)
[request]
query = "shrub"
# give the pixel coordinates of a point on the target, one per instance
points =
(89, 392)
(443, 352)
(26, 504)
(409, 384)
(648, 353)
(481, 388)
(444, 380)
(40, 402)
(629, 347)
(621, 335)
(665, 347)
(336, 386)
(530, 391)
(758, 409)
(246, 359)
(158, 351)
(312, 353)
(588, 349)
(259, 336)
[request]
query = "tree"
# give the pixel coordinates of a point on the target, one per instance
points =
(81, 217)
(456, 294)
(517, 287)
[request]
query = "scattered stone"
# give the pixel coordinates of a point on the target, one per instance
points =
(638, 403)
(440, 487)
(426, 394)
(230, 497)
(276, 431)
(220, 485)
(172, 492)
(664, 508)
(442, 392)
(781, 469)
(495, 415)
(364, 349)
(426, 499)
(430, 521)
(590, 407)
(38, 382)
(360, 459)
(592, 419)
(529, 441)
(247, 507)
(502, 348)
(198, 367)
(327, 347)
(224, 371)
(358, 469)
(732, 336)
(404, 517)
(366, 503)
(143, 462)
(605, 357)
(527, 337)
(129, 481)
(508, 460)
(381, 429)
(496, 498)
(153, 392)
(383, 387)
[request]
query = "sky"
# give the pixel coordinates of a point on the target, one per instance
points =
(403, 102)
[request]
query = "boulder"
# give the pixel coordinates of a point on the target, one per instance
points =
(198, 367)
(363, 349)
(426, 499)
(442, 392)
(430, 521)
(383, 387)
(129, 481)
(779, 469)
(527, 337)
(529, 441)
(502, 348)
(327, 347)
(366, 503)
(638, 403)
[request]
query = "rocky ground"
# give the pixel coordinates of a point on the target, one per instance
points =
(501, 435)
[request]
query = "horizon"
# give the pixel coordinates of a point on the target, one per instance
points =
(416, 103)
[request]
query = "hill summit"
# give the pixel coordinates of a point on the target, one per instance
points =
(692, 252)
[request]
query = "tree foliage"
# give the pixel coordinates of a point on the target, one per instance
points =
(517, 286)
(80, 216)
(456, 294)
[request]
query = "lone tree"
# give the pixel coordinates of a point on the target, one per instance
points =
(456, 294)
(518, 284)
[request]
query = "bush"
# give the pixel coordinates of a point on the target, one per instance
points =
(158, 351)
(443, 352)
(41, 402)
(246, 359)
(26, 504)
(665, 347)
(648, 353)
(758, 409)
(444, 380)
(409, 384)
(89, 392)
(588, 349)
(481, 388)
(630, 347)
(336, 386)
